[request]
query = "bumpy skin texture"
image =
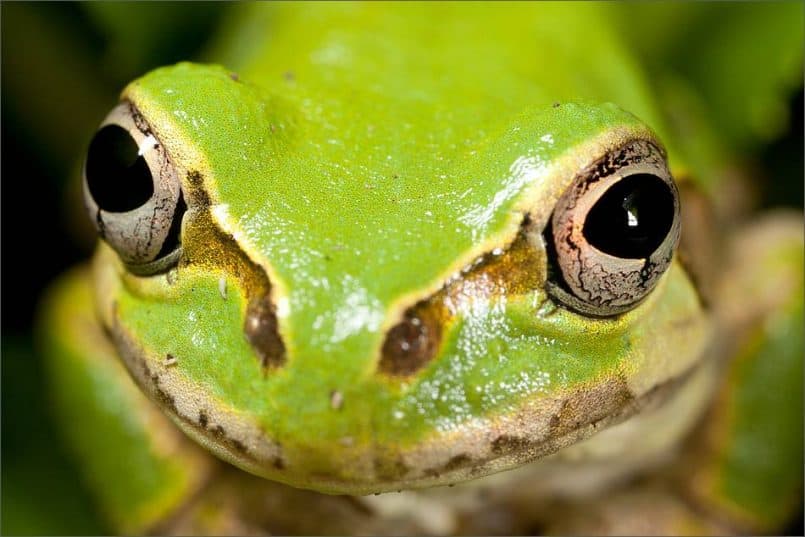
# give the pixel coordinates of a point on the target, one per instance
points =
(335, 183)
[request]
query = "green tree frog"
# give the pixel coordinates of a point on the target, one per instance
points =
(390, 248)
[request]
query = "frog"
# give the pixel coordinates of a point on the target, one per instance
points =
(423, 268)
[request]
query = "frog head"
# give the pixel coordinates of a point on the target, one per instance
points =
(366, 297)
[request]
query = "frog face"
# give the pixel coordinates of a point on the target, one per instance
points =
(358, 302)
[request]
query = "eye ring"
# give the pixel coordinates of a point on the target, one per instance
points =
(132, 192)
(614, 231)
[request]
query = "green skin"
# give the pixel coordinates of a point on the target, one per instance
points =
(359, 183)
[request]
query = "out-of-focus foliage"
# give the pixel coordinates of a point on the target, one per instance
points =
(744, 59)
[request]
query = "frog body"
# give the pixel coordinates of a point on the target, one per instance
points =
(349, 276)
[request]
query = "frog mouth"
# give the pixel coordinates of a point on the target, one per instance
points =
(540, 428)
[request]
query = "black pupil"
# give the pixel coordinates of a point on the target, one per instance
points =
(117, 176)
(632, 218)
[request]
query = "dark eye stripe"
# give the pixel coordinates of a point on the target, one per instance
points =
(417, 339)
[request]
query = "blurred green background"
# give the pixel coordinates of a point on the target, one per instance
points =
(63, 65)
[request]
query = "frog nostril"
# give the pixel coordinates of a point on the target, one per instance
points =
(411, 343)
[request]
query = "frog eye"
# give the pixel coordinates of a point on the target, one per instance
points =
(132, 192)
(614, 231)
